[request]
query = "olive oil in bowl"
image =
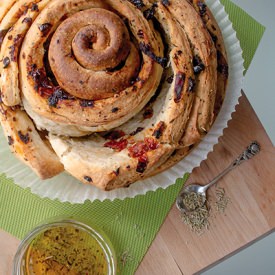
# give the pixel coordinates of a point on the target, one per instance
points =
(65, 247)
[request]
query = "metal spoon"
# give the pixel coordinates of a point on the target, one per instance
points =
(250, 152)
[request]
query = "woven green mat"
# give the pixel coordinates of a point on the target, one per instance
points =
(131, 224)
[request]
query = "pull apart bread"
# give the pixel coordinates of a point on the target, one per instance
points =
(111, 91)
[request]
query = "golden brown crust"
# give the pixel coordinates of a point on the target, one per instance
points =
(10, 48)
(26, 143)
(98, 49)
(4, 8)
(206, 80)
(100, 117)
(90, 66)
(192, 135)
(215, 32)
(101, 166)
(175, 157)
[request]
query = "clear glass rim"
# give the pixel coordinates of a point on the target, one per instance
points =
(95, 232)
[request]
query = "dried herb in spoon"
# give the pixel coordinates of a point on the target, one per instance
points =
(199, 209)
(193, 200)
(197, 218)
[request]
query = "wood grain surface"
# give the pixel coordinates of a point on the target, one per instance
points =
(249, 216)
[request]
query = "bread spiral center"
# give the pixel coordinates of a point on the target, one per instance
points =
(92, 56)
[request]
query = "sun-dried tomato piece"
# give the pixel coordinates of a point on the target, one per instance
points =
(138, 149)
(179, 83)
(117, 145)
(151, 143)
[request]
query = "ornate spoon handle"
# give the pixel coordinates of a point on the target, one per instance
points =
(253, 149)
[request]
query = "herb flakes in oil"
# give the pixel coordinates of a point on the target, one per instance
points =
(65, 250)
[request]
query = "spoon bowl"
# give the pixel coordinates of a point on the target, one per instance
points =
(192, 188)
(251, 151)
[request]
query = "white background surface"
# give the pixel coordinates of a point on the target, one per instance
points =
(259, 258)
(258, 84)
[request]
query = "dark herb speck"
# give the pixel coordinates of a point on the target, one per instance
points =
(138, 130)
(2, 35)
(34, 7)
(113, 135)
(27, 20)
(159, 130)
(165, 2)
(191, 84)
(148, 113)
(214, 37)
(142, 164)
(140, 34)
(146, 49)
(117, 171)
(138, 3)
(57, 95)
(170, 79)
(222, 65)
(10, 140)
(15, 47)
(198, 65)
(223, 69)
(202, 8)
(6, 62)
(87, 103)
(88, 179)
(149, 13)
(114, 110)
(45, 28)
(24, 138)
(42, 84)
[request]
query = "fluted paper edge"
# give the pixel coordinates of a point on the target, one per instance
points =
(67, 189)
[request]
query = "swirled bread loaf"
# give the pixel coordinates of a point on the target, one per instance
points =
(112, 91)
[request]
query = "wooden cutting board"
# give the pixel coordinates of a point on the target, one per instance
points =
(249, 216)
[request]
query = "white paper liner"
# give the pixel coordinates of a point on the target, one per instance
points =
(65, 188)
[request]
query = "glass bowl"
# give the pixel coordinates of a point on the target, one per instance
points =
(65, 246)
